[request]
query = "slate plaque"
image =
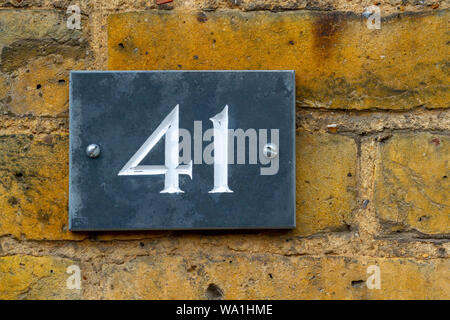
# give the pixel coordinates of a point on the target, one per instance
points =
(163, 137)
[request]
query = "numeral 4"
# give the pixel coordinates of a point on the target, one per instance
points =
(168, 127)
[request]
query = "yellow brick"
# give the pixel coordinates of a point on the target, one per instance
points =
(37, 51)
(326, 195)
(262, 276)
(35, 278)
(412, 184)
(34, 187)
(339, 62)
(42, 86)
(3, 86)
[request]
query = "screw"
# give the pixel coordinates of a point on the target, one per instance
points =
(93, 150)
(270, 151)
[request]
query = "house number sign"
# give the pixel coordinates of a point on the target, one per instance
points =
(178, 150)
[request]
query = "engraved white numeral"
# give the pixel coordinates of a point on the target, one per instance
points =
(220, 125)
(170, 169)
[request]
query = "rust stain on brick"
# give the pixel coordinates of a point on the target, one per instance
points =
(436, 141)
(326, 29)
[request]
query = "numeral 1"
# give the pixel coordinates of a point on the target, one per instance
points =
(220, 125)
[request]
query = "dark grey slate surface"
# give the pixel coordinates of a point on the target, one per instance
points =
(119, 111)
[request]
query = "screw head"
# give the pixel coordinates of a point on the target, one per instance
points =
(93, 150)
(270, 151)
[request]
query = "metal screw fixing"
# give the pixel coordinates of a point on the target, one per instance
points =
(93, 150)
(270, 151)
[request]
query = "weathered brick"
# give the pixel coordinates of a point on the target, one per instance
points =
(339, 62)
(41, 278)
(34, 187)
(3, 88)
(263, 276)
(31, 33)
(41, 87)
(37, 51)
(326, 182)
(412, 185)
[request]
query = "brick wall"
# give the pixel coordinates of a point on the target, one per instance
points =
(372, 146)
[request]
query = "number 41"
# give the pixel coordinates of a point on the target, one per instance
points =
(171, 168)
